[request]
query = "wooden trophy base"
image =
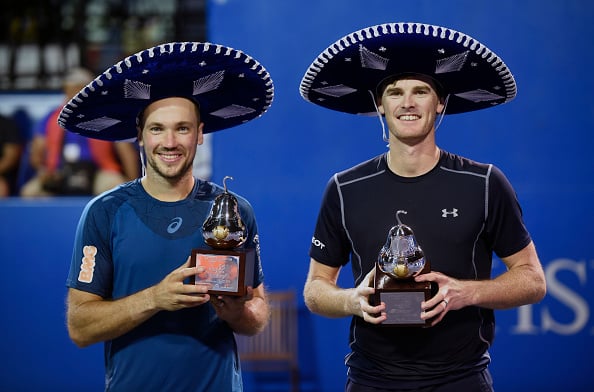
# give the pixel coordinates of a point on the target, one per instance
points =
(402, 298)
(229, 272)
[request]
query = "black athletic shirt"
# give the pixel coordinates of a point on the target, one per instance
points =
(461, 212)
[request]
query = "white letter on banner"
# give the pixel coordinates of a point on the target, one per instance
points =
(525, 325)
(566, 296)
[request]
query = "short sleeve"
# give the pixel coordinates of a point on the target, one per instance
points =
(329, 244)
(505, 225)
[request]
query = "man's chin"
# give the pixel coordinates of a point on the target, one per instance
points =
(173, 175)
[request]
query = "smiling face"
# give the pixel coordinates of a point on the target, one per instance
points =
(410, 107)
(170, 133)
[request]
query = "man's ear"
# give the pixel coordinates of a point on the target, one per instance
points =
(201, 133)
(440, 107)
(380, 109)
(139, 136)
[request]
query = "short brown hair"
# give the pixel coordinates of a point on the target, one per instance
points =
(435, 85)
(141, 119)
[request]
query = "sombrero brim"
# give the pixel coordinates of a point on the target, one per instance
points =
(230, 87)
(342, 76)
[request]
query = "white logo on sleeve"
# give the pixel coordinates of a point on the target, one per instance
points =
(87, 266)
(317, 243)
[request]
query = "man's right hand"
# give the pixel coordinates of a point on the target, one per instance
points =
(360, 301)
(173, 294)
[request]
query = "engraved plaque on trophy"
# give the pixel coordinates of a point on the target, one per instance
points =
(228, 268)
(398, 262)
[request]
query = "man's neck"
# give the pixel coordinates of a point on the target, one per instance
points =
(412, 161)
(168, 190)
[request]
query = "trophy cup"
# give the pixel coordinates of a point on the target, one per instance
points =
(228, 268)
(398, 262)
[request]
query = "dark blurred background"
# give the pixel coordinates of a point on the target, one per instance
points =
(41, 39)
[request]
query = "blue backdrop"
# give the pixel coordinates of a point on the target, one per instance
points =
(281, 162)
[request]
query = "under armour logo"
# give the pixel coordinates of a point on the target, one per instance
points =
(174, 225)
(445, 213)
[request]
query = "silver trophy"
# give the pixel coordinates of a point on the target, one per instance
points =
(398, 262)
(228, 268)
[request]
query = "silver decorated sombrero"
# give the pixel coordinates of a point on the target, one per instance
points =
(230, 87)
(344, 76)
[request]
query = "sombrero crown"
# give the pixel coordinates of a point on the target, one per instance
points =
(230, 87)
(342, 76)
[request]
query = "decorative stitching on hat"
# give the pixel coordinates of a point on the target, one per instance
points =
(98, 124)
(136, 89)
(232, 111)
(479, 95)
(335, 91)
(372, 60)
(208, 83)
(452, 63)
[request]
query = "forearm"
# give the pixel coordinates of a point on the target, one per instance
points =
(129, 159)
(10, 158)
(5, 165)
(253, 317)
(523, 283)
(325, 298)
(519, 286)
(97, 320)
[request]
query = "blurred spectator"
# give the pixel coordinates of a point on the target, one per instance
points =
(69, 164)
(11, 147)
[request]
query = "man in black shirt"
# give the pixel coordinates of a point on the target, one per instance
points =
(462, 212)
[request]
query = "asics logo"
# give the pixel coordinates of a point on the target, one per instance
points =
(174, 225)
(445, 213)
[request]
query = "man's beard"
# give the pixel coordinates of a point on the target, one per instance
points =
(177, 175)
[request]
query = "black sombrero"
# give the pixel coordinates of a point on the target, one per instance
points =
(343, 76)
(230, 87)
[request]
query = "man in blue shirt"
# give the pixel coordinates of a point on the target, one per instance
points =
(129, 281)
